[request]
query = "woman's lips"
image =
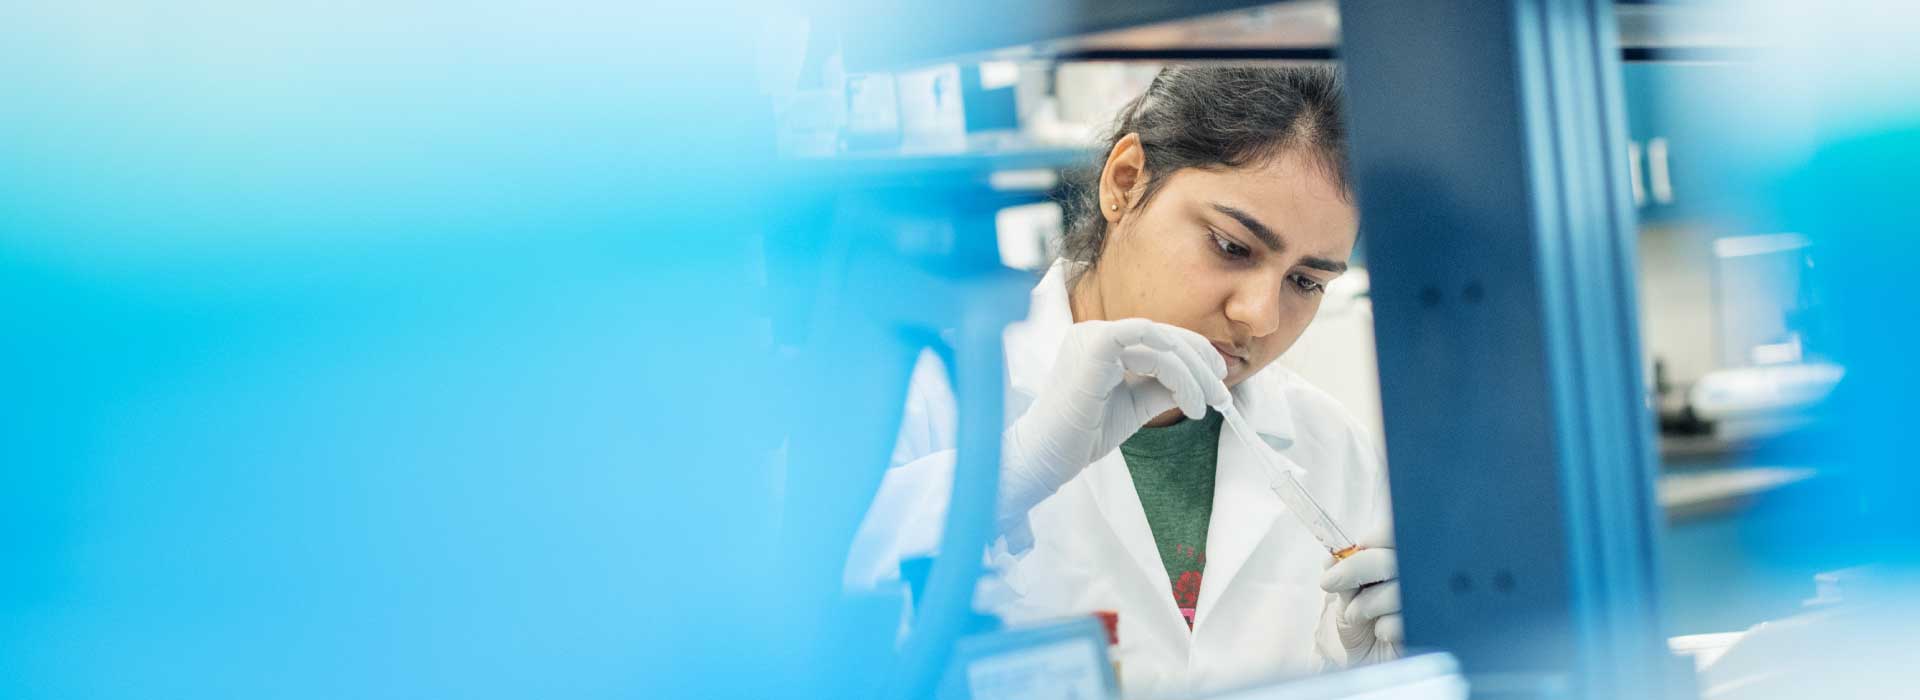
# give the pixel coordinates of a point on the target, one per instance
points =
(1226, 353)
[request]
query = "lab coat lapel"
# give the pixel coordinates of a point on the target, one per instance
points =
(1120, 505)
(1244, 505)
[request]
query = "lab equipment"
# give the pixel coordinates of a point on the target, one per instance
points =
(1286, 484)
(1765, 395)
(1064, 659)
(1431, 676)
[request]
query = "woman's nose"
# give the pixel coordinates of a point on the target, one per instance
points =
(1256, 305)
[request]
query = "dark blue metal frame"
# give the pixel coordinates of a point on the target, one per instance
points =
(1488, 141)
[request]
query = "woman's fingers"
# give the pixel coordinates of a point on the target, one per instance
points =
(1182, 361)
(1167, 369)
(1364, 567)
(1197, 353)
(1391, 629)
(1197, 349)
(1127, 332)
(1202, 362)
(1374, 602)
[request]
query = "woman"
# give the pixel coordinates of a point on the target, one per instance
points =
(1195, 256)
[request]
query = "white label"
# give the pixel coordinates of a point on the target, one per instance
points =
(1066, 670)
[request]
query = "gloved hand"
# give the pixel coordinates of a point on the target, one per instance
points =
(1109, 379)
(1367, 613)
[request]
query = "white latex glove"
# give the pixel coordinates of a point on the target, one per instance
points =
(1367, 613)
(1109, 379)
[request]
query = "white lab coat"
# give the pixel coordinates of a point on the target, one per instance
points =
(1261, 613)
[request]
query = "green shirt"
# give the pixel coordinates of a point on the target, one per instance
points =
(1173, 468)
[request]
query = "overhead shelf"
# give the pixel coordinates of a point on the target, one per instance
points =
(1656, 32)
(1012, 169)
(1297, 30)
(910, 34)
(885, 34)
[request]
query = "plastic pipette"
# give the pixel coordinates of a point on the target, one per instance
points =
(1286, 484)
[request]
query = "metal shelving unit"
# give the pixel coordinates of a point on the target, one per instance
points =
(1238, 32)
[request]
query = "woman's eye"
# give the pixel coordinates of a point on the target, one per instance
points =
(1307, 285)
(1228, 247)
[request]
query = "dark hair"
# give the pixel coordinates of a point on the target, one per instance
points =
(1213, 118)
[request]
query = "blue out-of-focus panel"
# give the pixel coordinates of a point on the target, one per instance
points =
(1457, 305)
(1489, 153)
(1713, 137)
(380, 350)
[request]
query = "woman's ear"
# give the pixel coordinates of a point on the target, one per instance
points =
(1123, 177)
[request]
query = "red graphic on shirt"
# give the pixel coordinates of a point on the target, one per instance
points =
(1186, 594)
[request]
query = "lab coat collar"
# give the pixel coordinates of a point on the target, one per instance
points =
(1033, 343)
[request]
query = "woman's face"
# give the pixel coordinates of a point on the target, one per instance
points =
(1239, 256)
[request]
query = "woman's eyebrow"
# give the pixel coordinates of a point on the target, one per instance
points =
(1319, 263)
(1272, 241)
(1259, 230)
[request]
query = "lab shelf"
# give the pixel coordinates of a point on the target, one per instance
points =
(1716, 492)
(976, 167)
(890, 35)
(887, 33)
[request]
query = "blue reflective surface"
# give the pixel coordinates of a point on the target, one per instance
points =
(376, 350)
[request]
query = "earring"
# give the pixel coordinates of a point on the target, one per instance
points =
(1113, 207)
